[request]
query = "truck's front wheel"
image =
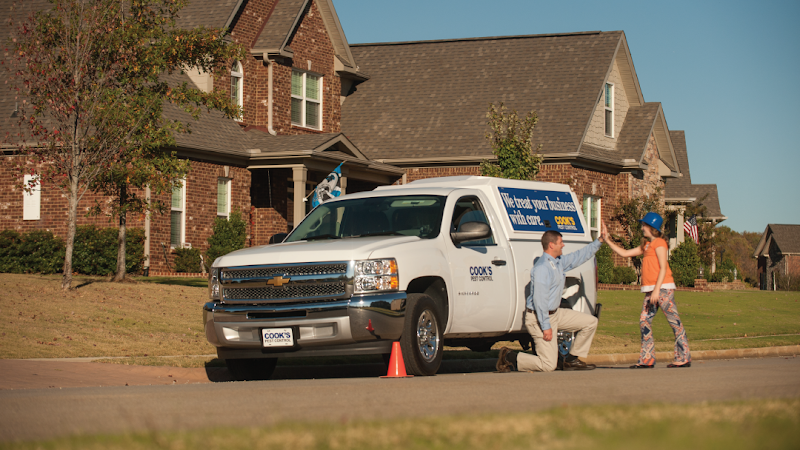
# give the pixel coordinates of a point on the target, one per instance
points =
(422, 341)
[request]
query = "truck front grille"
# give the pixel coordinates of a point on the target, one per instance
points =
(269, 272)
(287, 292)
(286, 283)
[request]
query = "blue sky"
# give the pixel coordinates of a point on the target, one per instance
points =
(726, 72)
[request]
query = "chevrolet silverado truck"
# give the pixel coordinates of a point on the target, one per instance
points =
(433, 262)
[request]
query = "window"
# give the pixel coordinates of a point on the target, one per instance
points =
(609, 109)
(223, 197)
(178, 215)
(31, 201)
(237, 83)
(469, 209)
(591, 212)
(306, 100)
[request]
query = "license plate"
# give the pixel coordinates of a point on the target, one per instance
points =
(277, 337)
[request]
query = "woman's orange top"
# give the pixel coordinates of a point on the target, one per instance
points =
(650, 266)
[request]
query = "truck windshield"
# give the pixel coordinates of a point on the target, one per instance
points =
(412, 215)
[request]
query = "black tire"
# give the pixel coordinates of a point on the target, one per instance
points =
(422, 341)
(251, 369)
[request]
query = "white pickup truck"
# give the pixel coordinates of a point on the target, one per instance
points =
(440, 260)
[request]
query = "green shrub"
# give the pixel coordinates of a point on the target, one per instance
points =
(605, 264)
(187, 260)
(95, 251)
(724, 272)
(685, 263)
(229, 235)
(624, 275)
(35, 251)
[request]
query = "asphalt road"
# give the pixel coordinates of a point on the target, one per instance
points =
(43, 413)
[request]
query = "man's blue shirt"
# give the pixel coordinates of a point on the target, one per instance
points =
(548, 277)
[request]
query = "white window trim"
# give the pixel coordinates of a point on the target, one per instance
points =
(304, 100)
(239, 74)
(608, 108)
(182, 209)
(227, 213)
(588, 218)
(32, 201)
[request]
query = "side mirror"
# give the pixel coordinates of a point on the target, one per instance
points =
(277, 238)
(471, 231)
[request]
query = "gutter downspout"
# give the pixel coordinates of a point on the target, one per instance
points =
(147, 231)
(269, 98)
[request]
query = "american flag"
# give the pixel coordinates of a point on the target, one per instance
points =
(690, 226)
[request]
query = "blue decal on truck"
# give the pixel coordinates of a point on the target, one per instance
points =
(535, 210)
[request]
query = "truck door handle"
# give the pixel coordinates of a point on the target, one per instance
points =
(499, 262)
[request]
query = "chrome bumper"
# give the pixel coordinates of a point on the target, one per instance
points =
(340, 327)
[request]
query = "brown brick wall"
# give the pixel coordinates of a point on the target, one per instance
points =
(420, 173)
(53, 206)
(201, 207)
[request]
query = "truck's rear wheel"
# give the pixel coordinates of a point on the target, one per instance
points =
(422, 341)
(251, 369)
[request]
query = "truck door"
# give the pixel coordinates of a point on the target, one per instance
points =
(481, 274)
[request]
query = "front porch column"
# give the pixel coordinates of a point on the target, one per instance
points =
(680, 226)
(299, 177)
(343, 184)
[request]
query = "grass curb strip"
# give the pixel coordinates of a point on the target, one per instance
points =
(632, 358)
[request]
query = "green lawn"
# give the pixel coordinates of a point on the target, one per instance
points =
(149, 318)
(713, 321)
(756, 424)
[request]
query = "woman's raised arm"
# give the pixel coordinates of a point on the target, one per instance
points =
(617, 249)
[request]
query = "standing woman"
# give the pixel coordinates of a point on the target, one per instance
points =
(659, 289)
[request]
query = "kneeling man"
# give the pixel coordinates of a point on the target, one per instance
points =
(543, 317)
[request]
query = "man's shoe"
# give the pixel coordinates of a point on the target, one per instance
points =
(578, 365)
(560, 362)
(503, 364)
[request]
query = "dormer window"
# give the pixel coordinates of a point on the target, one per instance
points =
(237, 92)
(306, 100)
(609, 107)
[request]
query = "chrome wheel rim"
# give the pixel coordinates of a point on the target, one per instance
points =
(427, 335)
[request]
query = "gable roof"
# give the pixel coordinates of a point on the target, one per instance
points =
(680, 187)
(785, 237)
(429, 99)
(284, 19)
(207, 13)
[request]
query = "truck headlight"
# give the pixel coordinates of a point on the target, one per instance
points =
(213, 284)
(376, 275)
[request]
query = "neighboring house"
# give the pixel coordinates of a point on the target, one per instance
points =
(680, 192)
(393, 112)
(424, 109)
(778, 254)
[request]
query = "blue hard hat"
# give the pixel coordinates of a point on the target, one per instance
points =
(652, 219)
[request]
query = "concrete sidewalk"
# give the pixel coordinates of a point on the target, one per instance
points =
(81, 372)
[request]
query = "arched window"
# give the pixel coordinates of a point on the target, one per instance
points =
(237, 85)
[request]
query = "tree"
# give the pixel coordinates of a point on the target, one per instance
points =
(628, 214)
(90, 76)
(153, 168)
(510, 138)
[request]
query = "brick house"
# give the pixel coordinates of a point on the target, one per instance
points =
(680, 192)
(393, 112)
(778, 253)
(424, 109)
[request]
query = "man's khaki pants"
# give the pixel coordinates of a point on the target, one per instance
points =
(547, 352)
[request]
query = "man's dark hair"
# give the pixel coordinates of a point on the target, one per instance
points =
(548, 237)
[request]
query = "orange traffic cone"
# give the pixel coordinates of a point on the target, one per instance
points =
(397, 368)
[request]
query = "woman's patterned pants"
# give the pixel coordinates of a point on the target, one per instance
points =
(666, 302)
